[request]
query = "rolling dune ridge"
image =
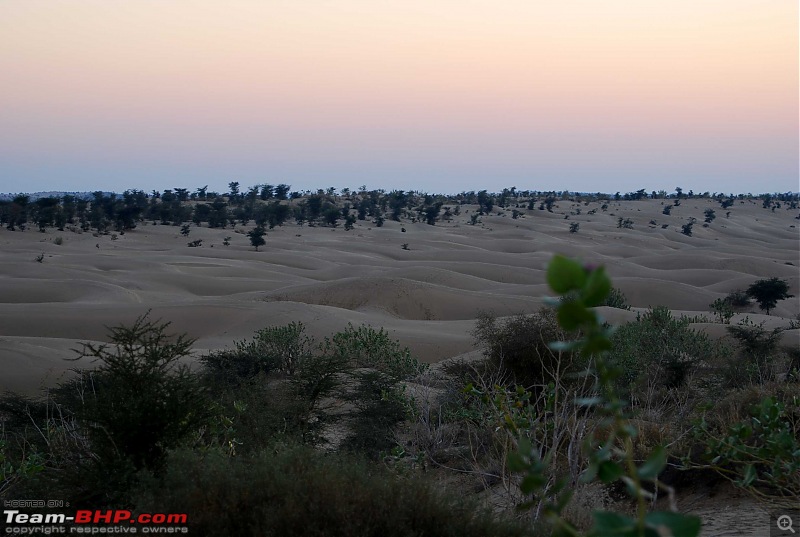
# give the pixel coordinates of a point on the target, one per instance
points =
(427, 296)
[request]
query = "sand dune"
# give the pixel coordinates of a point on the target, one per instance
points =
(427, 295)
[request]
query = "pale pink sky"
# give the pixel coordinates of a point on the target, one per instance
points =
(433, 95)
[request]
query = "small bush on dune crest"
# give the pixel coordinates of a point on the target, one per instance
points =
(722, 309)
(617, 299)
(287, 491)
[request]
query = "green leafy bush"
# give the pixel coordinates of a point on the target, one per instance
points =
(660, 346)
(722, 309)
(361, 365)
(143, 400)
(617, 299)
(366, 347)
(759, 452)
(95, 431)
(275, 348)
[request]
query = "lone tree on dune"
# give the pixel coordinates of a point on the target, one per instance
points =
(257, 236)
(768, 292)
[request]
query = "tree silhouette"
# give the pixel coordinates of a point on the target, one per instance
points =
(257, 236)
(768, 292)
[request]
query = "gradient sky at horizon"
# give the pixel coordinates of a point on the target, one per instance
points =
(432, 95)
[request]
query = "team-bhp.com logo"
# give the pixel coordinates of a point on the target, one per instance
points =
(94, 521)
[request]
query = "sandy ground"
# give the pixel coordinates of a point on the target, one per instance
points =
(427, 296)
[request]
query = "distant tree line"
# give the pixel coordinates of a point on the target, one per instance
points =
(269, 206)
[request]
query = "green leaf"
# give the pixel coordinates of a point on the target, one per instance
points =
(673, 524)
(563, 529)
(531, 483)
(609, 471)
(596, 345)
(571, 315)
(608, 524)
(564, 275)
(588, 401)
(564, 346)
(516, 463)
(749, 475)
(563, 500)
(590, 473)
(654, 464)
(597, 288)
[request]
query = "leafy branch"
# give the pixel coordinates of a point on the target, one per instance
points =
(611, 456)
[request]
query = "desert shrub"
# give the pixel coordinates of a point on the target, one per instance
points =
(260, 410)
(758, 356)
(737, 404)
(142, 400)
(285, 380)
(58, 241)
(286, 346)
(270, 386)
(722, 309)
(616, 299)
(793, 369)
(377, 365)
(24, 450)
(380, 405)
(369, 348)
(44, 449)
(738, 299)
(759, 451)
(520, 344)
(99, 428)
(275, 348)
(288, 491)
(661, 348)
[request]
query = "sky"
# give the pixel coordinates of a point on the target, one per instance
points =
(431, 95)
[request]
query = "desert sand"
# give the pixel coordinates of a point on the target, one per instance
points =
(427, 296)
